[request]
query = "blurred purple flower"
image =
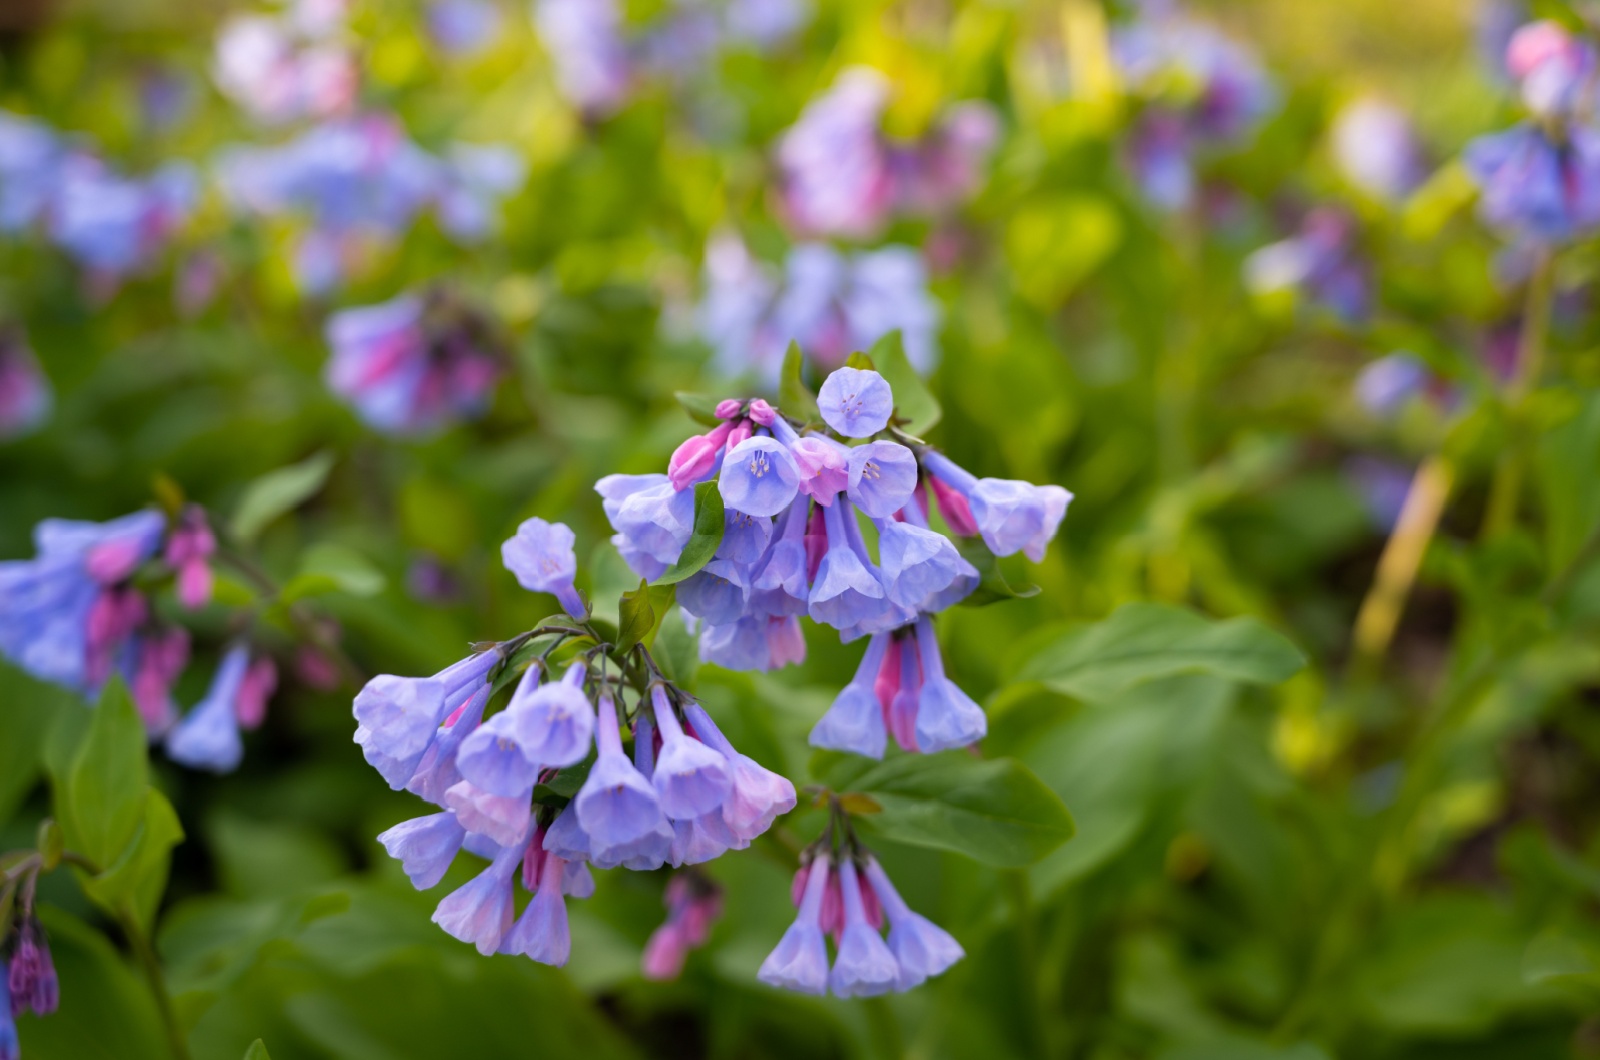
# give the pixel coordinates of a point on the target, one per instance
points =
(584, 39)
(1377, 149)
(412, 365)
(279, 74)
(1322, 262)
(829, 302)
(1554, 69)
(462, 27)
(1535, 188)
(25, 394)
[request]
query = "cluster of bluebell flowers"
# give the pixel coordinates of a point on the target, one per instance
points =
(110, 224)
(829, 301)
(682, 795)
(416, 363)
(84, 609)
(361, 180)
(842, 892)
(841, 175)
(1540, 179)
(797, 500)
(1201, 91)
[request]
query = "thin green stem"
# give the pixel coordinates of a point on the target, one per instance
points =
(150, 965)
(1505, 490)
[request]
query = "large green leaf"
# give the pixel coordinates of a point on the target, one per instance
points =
(1142, 641)
(138, 876)
(710, 520)
(913, 401)
(278, 493)
(794, 397)
(994, 811)
(102, 795)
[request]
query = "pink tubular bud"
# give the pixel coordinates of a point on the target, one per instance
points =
(112, 561)
(887, 683)
(696, 457)
(816, 542)
(665, 953)
(315, 669)
(824, 468)
(832, 918)
(953, 506)
(870, 906)
(728, 408)
(786, 641)
(250, 702)
(194, 584)
(1536, 43)
(741, 431)
(762, 412)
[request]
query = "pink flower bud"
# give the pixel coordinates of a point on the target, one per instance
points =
(887, 683)
(696, 457)
(113, 561)
(741, 431)
(250, 702)
(953, 506)
(315, 669)
(816, 542)
(194, 584)
(162, 657)
(728, 408)
(786, 642)
(762, 412)
(665, 953)
(1536, 43)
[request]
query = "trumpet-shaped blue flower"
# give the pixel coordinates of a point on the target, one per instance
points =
(542, 932)
(493, 757)
(1536, 188)
(864, 967)
(855, 721)
(555, 723)
(856, 402)
(921, 569)
(759, 477)
(946, 716)
(541, 557)
(690, 777)
(845, 593)
(208, 736)
(716, 593)
(920, 947)
(1012, 516)
(425, 846)
(800, 960)
(881, 478)
(757, 796)
(398, 718)
(480, 911)
(653, 519)
(617, 806)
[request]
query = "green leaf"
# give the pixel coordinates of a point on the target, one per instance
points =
(992, 584)
(1143, 641)
(677, 651)
(794, 397)
(641, 611)
(257, 1051)
(702, 408)
(102, 797)
(278, 493)
(564, 785)
(1556, 955)
(1449, 191)
(709, 523)
(913, 401)
(860, 360)
(139, 874)
(1567, 457)
(331, 567)
(994, 811)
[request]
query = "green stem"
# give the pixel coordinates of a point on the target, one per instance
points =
(1505, 490)
(1020, 893)
(145, 954)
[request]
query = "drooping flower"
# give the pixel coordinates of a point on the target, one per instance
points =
(920, 947)
(855, 722)
(800, 960)
(690, 778)
(31, 157)
(112, 225)
(399, 718)
(412, 365)
(425, 846)
(542, 559)
(1012, 516)
(1555, 70)
(617, 805)
(31, 979)
(10, 1048)
(541, 933)
(756, 795)
(694, 903)
(864, 966)
(190, 546)
(946, 716)
(480, 911)
(208, 736)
